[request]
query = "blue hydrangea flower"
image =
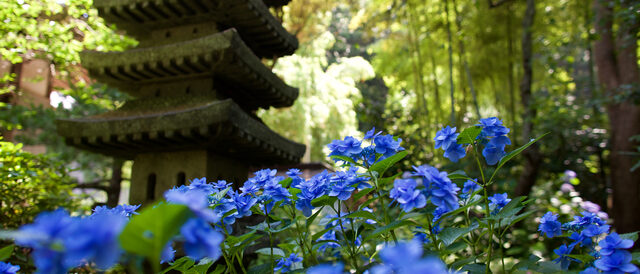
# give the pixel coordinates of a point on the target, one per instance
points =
(220, 185)
(266, 208)
(243, 203)
(196, 200)
(202, 185)
(341, 185)
(254, 184)
(264, 175)
(405, 193)
(446, 137)
(579, 239)
(95, 239)
(368, 221)
(351, 178)
(594, 230)
(420, 236)
(7, 268)
(250, 187)
(225, 205)
(387, 145)
(200, 240)
(438, 187)
(470, 186)
(492, 154)
(617, 262)
(124, 210)
(549, 225)
(444, 194)
(371, 134)
(455, 152)
(329, 236)
(428, 172)
(500, 141)
(348, 147)
(296, 180)
(564, 260)
(46, 236)
(304, 202)
(342, 190)
(580, 222)
(407, 258)
(494, 132)
(498, 201)
(613, 242)
(168, 253)
(327, 269)
(438, 213)
(589, 270)
(492, 127)
(284, 264)
(276, 191)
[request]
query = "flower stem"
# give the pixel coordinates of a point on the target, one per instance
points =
(487, 210)
(266, 212)
(384, 207)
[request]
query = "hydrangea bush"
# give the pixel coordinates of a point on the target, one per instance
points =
(358, 219)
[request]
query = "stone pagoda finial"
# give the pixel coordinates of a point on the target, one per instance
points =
(196, 78)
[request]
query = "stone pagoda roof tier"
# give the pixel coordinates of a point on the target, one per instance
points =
(222, 57)
(276, 3)
(262, 32)
(218, 126)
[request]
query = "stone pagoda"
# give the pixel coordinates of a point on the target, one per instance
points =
(197, 80)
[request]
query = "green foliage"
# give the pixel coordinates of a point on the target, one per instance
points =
(325, 108)
(149, 232)
(31, 184)
(54, 30)
(6, 252)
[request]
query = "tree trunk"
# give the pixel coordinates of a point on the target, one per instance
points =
(532, 154)
(512, 96)
(617, 64)
(463, 59)
(418, 67)
(451, 86)
(436, 86)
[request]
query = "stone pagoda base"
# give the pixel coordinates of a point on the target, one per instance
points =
(154, 173)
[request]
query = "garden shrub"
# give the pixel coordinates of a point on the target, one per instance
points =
(358, 219)
(31, 184)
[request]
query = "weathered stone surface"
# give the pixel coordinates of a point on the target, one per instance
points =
(219, 126)
(196, 88)
(154, 22)
(154, 173)
(276, 3)
(222, 58)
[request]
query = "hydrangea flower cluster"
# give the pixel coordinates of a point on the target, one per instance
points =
(446, 139)
(285, 264)
(380, 147)
(407, 258)
(327, 269)
(438, 188)
(493, 136)
(7, 268)
(585, 231)
(469, 187)
(614, 258)
(498, 201)
(61, 242)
